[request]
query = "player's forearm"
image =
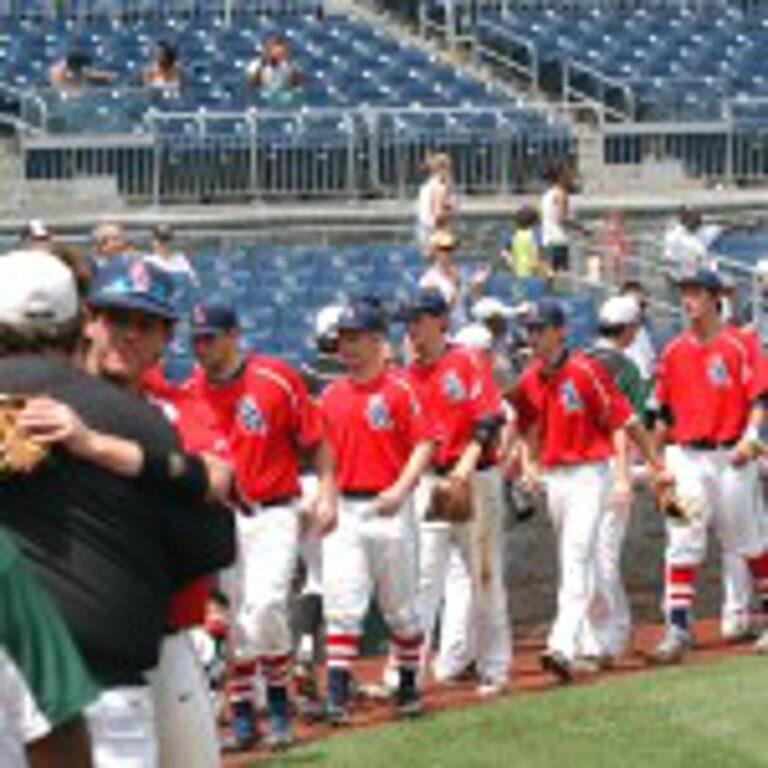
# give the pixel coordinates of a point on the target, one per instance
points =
(418, 463)
(647, 446)
(322, 462)
(123, 457)
(621, 457)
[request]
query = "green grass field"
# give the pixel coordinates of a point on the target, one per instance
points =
(711, 716)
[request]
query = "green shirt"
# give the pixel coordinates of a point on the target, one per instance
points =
(35, 638)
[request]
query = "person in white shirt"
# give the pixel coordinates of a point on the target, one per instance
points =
(436, 206)
(687, 243)
(163, 255)
(554, 212)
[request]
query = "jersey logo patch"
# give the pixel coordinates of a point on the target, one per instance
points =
(453, 389)
(251, 417)
(378, 413)
(717, 372)
(569, 398)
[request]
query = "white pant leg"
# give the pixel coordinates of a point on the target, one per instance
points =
(311, 553)
(737, 511)
(268, 548)
(577, 498)
(737, 593)
(609, 622)
(485, 555)
(457, 637)
(122, 726)
(184, 716)
(394, 570)
(346, 573)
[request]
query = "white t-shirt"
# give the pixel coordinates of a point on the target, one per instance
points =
(687, 251)
(552, 226)
(176, 264)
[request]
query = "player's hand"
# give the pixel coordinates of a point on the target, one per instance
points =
(744, 452)
(52, 422)
(531, 482)
(324, 512)
(388, 502)
(621, 494)
(219, 478)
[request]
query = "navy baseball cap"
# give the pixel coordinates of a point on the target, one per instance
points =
(428, 301)
(211, 318)
(704, 278)
(363, 315)
(130, 282)
(546, 313)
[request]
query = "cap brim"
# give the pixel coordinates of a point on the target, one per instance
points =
(139, 304)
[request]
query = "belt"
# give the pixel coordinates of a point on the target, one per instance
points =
(709, 445)
(251, 509)
(445, 469)
(359, 495)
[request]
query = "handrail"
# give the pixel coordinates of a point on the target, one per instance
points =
(570, 64)
(528, 45)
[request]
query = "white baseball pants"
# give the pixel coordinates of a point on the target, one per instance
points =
(577, 499)
(184, 716)
(367, 552)
(479, 545)
(268, 544)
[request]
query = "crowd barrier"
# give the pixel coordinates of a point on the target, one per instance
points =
(212, 157)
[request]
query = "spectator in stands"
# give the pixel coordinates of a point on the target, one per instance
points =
(555, 222)
(437, 206)
(109, 241)
(522, 255)
(165, 257)
(75, 71)
(275, 73)
(164, 71)
(641, 351)
(614, 246)
(458, 289)
(687, 242)
(35, 236)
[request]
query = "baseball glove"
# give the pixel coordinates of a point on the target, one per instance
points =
(451, 501)
(18, 453)
(674, 507)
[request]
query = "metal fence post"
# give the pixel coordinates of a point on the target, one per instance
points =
(156, 157)
(253, 169)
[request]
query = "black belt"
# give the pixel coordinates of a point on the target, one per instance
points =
(250, 509)
(359, 495)
(709, 445)
(445, 469)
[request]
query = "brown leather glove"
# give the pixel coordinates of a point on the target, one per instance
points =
(451, 501)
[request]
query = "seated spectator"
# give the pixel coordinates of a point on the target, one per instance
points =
(75, 70)
(163, 255)
(164, 71)
(274, 72)
(687, 242)
(108, 241)
(35, 236)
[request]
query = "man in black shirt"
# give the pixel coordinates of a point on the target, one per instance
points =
(110, 550)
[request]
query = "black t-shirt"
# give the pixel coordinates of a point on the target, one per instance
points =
(109, 553)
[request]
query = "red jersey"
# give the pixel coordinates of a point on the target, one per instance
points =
(372, 429)
(198, 433)
(457, 390)
(576, 410)
(267, 415)
(709, 387)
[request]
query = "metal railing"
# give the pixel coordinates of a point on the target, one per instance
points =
(158, 9)
(318, 153)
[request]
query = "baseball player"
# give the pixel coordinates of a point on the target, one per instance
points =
(711, 390)
(569, 410)
(464, 405)
(607, 629)
(381, 446)
(263, 407)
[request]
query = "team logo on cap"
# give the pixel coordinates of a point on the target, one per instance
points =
(453, 389)
(569, 398)
(378, 413)
(250, 416)
(717, 372)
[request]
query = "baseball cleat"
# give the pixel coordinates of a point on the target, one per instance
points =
(280, 737)
(337, 715)
(408, 704)
(673, 647)
(243, 736)
(490, 687)
(740, 633)
(761, 644)
(557, 664)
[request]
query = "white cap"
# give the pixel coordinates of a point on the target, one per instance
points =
(327, 320)
(36, 230)
(761, 270)
(488, 307)
(38, 290)
(620, 310)
(475, 336)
